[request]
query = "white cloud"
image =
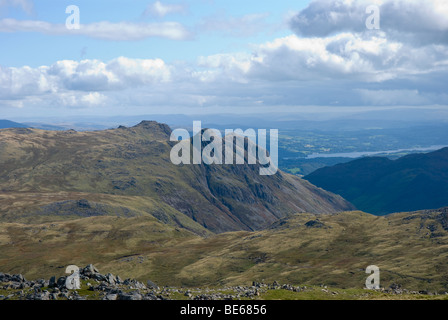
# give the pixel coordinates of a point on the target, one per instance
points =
(317, 66)
(79, 100)
(219, 67)
(120, 31)
(139, 71)
(74, 82)
(344, 69)
(344, 56)
(416, 21)
(158, 9)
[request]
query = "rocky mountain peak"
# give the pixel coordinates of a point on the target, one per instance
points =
(154, 126)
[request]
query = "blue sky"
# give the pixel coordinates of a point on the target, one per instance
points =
(142, 57)
(35, 49)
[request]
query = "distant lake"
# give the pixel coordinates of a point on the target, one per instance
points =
(359, 154)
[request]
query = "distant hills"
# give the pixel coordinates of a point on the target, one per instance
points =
(11, 124)
(127, 172)
(381, 186)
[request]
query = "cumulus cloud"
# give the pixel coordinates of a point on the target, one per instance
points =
(345, 69)
(223, 67)
(344, 56)
(120, 31)
(419, 21)
(330, 60)
(84, 83)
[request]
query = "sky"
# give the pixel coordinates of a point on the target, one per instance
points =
(220, 56)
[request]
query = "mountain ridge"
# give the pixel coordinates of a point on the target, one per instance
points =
(382, 186)
(4, 124)
(130, 167)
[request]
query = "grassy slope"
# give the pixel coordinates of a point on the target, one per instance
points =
(410, 249)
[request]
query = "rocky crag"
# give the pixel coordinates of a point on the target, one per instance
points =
(97, 286)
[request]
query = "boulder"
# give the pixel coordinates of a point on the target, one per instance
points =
(151, 285)
(52, 282)
(130, 296)
(18, 278)
(41, 296)
(99, 277)
(89, 270)
(110, 278)
(4, 277)
(111, 297)
(61, 282)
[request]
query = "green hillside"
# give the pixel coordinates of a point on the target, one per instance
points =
(382, 186)
(411, 250)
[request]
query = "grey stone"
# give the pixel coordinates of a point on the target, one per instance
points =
(64, 295)
(61, 282)
(130, 296)
(110, 297)
(151, 285)
(99, 277)
(149, 296)
(110, 278)
(14, 285)
(42, 296)
(18, 278)
(42, 282)
(52, 282)
(139, 285)
(89, 270)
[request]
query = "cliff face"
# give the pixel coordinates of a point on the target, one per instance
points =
(128, 172)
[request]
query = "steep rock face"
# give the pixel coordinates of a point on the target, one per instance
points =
(132, 166)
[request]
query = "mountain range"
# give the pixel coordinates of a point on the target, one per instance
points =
(381, 186)
(113, 198)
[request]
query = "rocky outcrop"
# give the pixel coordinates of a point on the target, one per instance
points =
(97, 286)
(105, 287)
